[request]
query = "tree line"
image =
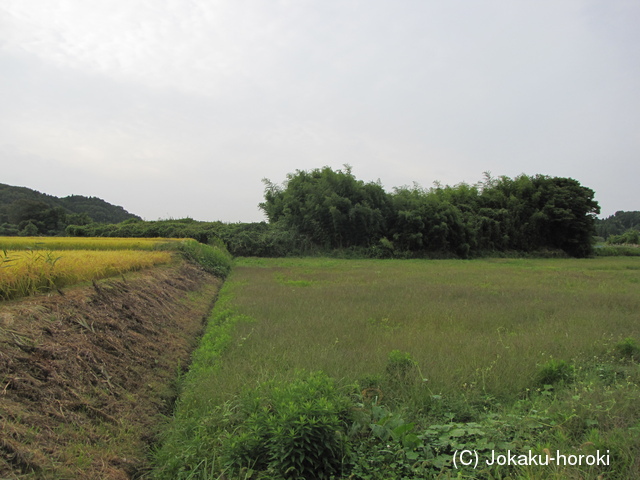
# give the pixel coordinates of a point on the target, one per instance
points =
(325, 210)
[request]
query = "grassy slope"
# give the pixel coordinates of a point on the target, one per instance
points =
(86, 376)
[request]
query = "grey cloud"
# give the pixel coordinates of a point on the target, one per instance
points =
(203, 99)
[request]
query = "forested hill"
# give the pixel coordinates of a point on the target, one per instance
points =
(99, 210)
(42, 214)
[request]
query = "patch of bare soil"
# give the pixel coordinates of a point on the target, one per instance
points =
(86, 377)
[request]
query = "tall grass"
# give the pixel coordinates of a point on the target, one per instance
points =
(482, 325)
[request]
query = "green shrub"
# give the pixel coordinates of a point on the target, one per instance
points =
(617, 251)
(403, 383)
(400, 366)
(213, 258)
(631, 237)
(293, 431)
(555, 371)
(628, 349)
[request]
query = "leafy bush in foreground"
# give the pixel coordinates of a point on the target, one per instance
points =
(294, 430)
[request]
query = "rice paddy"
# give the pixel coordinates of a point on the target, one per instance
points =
(24, 273)
(87, 243)
(29, 265)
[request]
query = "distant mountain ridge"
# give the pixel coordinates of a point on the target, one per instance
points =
(20, 206)
(99, 210)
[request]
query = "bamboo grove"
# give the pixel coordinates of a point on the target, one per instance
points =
(336, 210)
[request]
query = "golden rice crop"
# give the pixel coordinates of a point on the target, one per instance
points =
(87, 243)
(26, 272)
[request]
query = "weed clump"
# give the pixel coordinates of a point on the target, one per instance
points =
(628, 349)
(400, 366)
(555, 371)
(403, 382)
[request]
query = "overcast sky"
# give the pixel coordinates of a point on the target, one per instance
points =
(179, 108)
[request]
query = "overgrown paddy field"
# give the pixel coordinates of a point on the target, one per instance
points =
(420, 361)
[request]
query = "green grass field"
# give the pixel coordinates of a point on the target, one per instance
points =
(500, 343)
(485, 324)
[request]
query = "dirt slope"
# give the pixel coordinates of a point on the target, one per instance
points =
(86, 377)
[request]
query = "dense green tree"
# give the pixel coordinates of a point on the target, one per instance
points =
(78, 219)
(322, 209)
(29, 229)
(8, 229)
(631, 236)
(566, 213)
(334, 210)
(96, 208)
(430, 221)
(331, 207)
(27, 210)
(47, 220)
(540, 212)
